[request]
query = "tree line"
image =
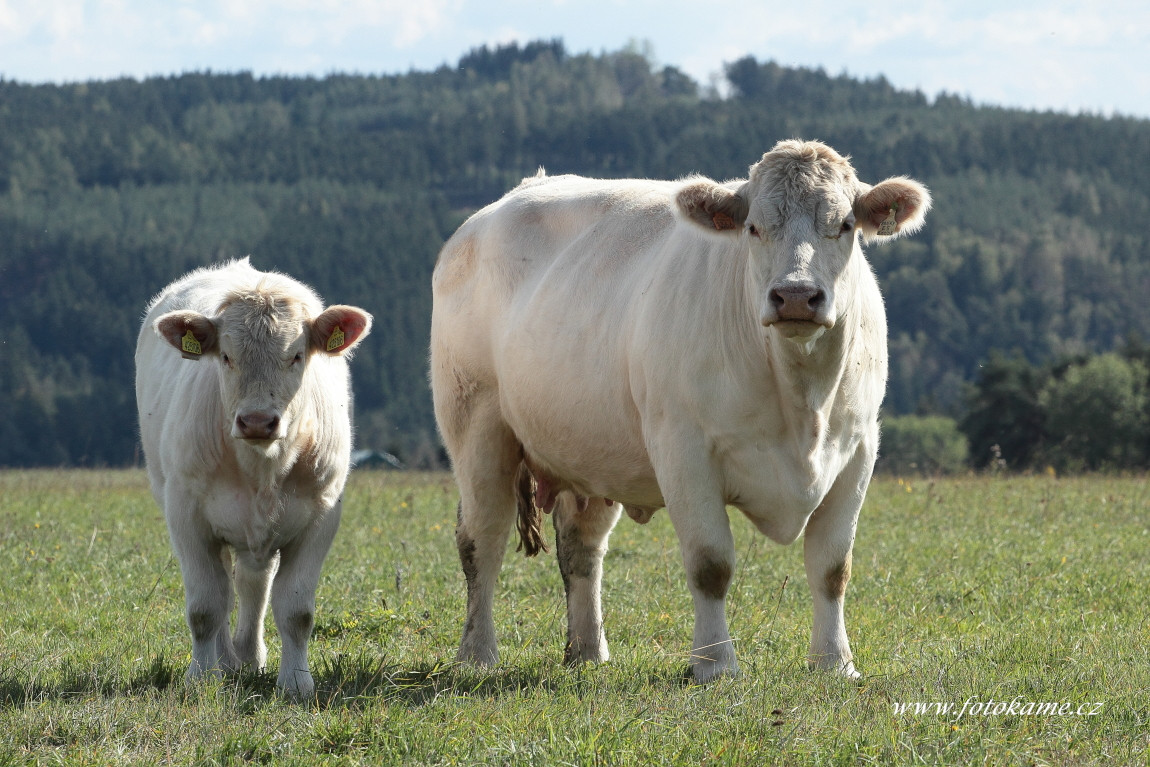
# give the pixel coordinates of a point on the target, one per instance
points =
(1083, 413)
(111, 189)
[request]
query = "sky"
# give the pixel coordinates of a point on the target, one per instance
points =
(1073, 57)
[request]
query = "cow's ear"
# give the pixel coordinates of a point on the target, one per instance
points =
(339, 329)
(713, 206)
(894, 207)
(191, 333)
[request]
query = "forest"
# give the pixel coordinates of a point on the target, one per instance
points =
(1017, 316)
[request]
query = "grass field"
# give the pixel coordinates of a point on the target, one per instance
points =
(1032, 592)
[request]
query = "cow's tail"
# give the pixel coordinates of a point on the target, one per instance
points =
(529, 519)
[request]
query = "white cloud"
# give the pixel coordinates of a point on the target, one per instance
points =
(20, 19)
(306, 23)
(1065, 54)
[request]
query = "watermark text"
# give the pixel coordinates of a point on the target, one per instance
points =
(1018, 706)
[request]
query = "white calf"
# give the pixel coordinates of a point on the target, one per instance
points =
(247, 451)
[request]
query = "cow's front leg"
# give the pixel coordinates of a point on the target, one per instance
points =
(827, 545)
(700, 518)
(293, 601)
(582, 526)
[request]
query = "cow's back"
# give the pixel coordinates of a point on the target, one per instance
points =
(505, 250)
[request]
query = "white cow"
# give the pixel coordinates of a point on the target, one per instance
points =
(686, 344)
(247, 449)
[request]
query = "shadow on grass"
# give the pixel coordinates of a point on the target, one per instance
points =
(342, 681)
(348, 681)
(74, 681)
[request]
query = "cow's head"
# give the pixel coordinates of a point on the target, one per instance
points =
(801, 213)
(263, 341)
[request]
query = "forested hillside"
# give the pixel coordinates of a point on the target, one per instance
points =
(109, 190)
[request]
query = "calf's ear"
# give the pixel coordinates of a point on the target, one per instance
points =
(191, 333)
(892, 208)
(713, 206)
(339, 328)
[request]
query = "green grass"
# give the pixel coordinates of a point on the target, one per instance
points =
(1031, 589)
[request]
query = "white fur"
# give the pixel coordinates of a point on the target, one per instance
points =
(272, 504)
(596, 329)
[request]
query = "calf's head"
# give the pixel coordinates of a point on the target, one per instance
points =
(263, 341)
(800, 216)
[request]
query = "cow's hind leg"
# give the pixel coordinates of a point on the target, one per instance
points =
(486, 464)
(582, 526)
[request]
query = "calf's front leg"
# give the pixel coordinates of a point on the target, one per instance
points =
(293, 601)
(253, 579)
(208, 605)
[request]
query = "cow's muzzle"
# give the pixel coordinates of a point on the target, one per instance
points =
(797, 302)
(257, 424)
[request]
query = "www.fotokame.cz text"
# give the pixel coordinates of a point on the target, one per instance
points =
(1017, 707)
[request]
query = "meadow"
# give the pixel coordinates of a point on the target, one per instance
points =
(1022, 599)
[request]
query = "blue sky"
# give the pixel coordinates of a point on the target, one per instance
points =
(1035, 54)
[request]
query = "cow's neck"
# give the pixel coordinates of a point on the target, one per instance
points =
(809, 374)
(809, 378)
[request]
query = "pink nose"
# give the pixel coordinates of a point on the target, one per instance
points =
(257, 424)
(798, 302)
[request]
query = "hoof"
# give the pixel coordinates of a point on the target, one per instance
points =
(846, 670)
(706, 671)
(297, 686)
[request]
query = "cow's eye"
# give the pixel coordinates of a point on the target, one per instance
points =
(227, 360)
(297, 358)
(753, 230)
(847, 226)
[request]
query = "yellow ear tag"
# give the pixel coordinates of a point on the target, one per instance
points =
(890, 223)
(335, 340)
(189, 344)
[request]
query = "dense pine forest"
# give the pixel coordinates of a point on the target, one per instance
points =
(1018, 312)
